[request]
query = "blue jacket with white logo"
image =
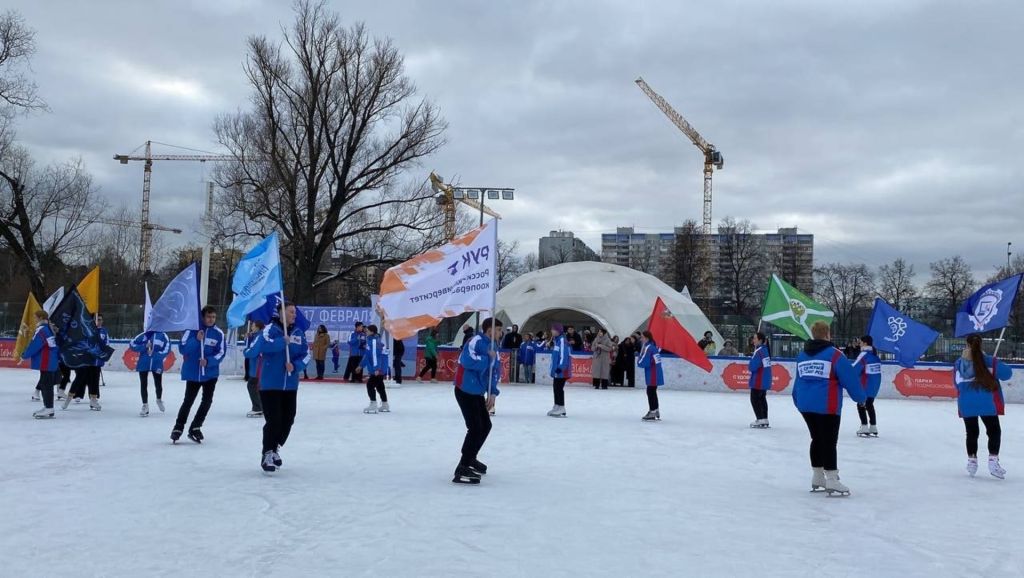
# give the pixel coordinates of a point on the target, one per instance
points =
(561, 360)
(213, 351)
(760, 367)
(822, 373)
(475, 361)
(43, 350)
(268, 347)
(155, 341)
(528, 353)
(104, 339)
(972, 400)
(650, 361)
(357, 344)
(869, 368)
(374, 358)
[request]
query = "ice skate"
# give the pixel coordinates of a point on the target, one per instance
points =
(465, 475)
(972, 466)
(160, 405)
(650, 416)
(372, 408)
(254, 413)
(94, 404)
(759, 424)
(818, 480)
(384, 407)
(557, 411)
(60, 395)
(862, 431)
(67, 402)
(45, 413)
(478, 467)
(175, 435)
(433, 381)
(145, 410)
(873, 431)
(277, 457)
(35, 395)
(195, 434)
(833, 487)
(268, 462)
(995, 469)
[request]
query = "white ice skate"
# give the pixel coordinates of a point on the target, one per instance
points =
(863, 431)
(995, 469)
(818, 480)
(384, 407)
(972, 466)
(372, 408)
(94, 404)
(160, 404)
(67, 401)
(651, 416)
(254, 414)
(145, 410)
(833, 487)
(557, 411)
(60, 395)
(45, 413)
(759, 424)
(268, 462)
(35, 395)
(873, 431)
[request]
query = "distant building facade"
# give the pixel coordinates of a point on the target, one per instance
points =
(563, 247)
(647, 252)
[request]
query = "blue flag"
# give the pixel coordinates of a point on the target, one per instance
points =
(178, 308)
(898, 334)
(989, 308)
(258, 276)
(272, 309)
(77, 335)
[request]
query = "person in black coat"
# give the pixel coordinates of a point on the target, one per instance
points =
(397, 352)
(626, 362)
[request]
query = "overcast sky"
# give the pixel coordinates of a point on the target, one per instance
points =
(885, 128)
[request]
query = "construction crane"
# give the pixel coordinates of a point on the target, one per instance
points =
(446, 196)
(712, 157)
(147, 172)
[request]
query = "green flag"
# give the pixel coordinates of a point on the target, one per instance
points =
(787, 308)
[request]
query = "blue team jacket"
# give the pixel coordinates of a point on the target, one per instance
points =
(869, 368)
(268, 348)
(374, 358)
(476, 367)
(43, 350)
(972, 400)
(650, 361)
(561, 360)
(356, 344)
(161, 346)
(214, 350)
(104, 339)
(760, 367)
(822, 372)
(528, 353)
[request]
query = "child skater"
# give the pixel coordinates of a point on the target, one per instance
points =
(252, 371)
(152, 347)
(44, 355)
(561, 369)
(475, 394)
(760, 380)
(977, 379)
(375, 365)
(650, 362)
(869, 367)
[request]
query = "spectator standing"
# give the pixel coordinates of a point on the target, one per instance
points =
(601, 361)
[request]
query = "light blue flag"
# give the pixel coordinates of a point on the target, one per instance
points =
(178, 308)
(989, 308)
(898, 334)
(257, 276)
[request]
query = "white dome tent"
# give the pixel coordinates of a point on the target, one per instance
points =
(599, 294)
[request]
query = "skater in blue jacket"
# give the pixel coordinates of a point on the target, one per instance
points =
(980, 395)
(869, 368)
(528, 357)
(375, 365)
(201, 352)
(153, 348)
(822, 373)
(44, 355)
(760, 383)
(475, 394)
(561, 368)
(654, 377)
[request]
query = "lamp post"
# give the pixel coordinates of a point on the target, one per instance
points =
(1008, 253)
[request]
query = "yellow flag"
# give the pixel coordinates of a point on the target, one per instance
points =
(28, 326)
(89, 289)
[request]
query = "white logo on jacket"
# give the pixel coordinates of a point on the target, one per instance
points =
(873, 368)
(814, 368)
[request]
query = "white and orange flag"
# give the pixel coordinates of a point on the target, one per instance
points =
(444, 282)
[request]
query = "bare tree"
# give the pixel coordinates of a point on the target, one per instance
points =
(845, 289)
(689, 264)
(952, 281)
(334, 125)
(510, 265)
(741, 256)
(17, 46)
(896, 283)
(530, 263)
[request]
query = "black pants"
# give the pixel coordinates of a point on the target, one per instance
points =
(86, 377)
(652, 398)
(158, 383)
(431, 366)
(48, 379)
(559, 387)
(824, 431)
(352, 372)
(629, 371)
(375, 385)
(321, 367)
(397, 367)
(759, 401)
(478, 424)
(191, 391)
(279, 415)
(992, 430)
(253, 385)
(65, 376)
(867, 411)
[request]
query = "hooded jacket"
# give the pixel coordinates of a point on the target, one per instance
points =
(822, 372)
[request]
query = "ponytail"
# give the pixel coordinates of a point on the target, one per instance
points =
(982, 375)
(764, 342)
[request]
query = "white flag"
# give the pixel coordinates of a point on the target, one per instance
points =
(53, 300)
(147, 313)
(455, 278)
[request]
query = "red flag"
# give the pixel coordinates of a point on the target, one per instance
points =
(670, 335)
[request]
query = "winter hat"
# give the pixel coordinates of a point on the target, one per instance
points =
(557, 327)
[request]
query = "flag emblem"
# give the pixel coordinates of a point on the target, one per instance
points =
(898, 327)
(797, 308)
(986, 308)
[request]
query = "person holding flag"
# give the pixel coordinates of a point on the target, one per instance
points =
(979, 395)
(760, 383)
(476, 393)
(654, 377)
(561, 368)
(375, 365)
(356, 350)
(26, 332)
(153, 348)
(869, 367)
(202, 352)
(44, 354)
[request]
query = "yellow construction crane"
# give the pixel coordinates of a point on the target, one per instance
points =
(712, 157)
(148, 158)
(446, 196)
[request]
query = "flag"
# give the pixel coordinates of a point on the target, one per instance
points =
(989, 308)
(272, 309)
(787, 308)
(89, 290)
(54, 300)
(77, 335)
(258, 275)
(147, 311)
(27, 330)
(898, 334)
(670, 335)
(452, 279)
(178, 308)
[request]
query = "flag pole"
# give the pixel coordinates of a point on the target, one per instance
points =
(999, 341)
(287, 338)
(494, 307)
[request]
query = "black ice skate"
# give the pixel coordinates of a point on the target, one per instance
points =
(465, 475)
(195, 434)
(175, 435)
(478, 467)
